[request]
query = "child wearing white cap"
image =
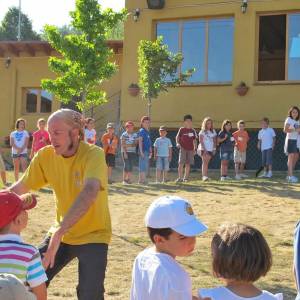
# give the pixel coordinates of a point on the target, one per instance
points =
(172, 227)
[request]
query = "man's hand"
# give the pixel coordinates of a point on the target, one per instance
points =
(49, 256)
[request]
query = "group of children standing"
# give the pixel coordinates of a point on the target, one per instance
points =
(138, 146)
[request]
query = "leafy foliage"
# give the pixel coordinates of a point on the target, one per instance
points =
(86, 60)
(158, 68)
(9, 27)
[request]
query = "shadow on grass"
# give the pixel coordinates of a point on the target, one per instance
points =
(276, 187)
(288, 293)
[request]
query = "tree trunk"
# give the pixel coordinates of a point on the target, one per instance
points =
(83, 100)
(149, 107)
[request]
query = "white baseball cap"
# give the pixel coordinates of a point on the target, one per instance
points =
(176, 213)
(11, 288)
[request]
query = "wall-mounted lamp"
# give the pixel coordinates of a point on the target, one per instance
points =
(244, 6)
(136, 14)
(7, 62)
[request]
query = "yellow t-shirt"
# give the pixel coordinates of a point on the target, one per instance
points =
(66, 176)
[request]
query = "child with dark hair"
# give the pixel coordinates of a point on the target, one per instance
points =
(186, 142)
(226, 143)
(172, 228)
(266, 144)
(240, 256)
(90, 135)
(19, 142)
(292, 129)
(145, 149)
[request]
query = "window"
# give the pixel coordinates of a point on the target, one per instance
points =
(206, 45)
(279, 48)
(37, 101)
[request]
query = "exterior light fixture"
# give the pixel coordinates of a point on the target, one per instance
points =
(136, 14)
(244, 6)
(7, 62)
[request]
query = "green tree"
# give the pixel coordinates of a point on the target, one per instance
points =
(63, 30)
(86, 60)
(117, 32)
(9, 27)
(158, 69)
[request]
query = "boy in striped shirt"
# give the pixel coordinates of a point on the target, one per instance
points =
(16, 257)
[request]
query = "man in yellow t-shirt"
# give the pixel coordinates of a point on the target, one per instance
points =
(77, 172)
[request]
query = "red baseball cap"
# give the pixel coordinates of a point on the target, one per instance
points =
(11, 205)
(129, 123)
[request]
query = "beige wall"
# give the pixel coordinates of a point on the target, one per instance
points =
(219, 102)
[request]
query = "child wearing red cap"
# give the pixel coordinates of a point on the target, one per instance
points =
(17, 258)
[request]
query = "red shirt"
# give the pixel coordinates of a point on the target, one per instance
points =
(40, 140)
(186, 137)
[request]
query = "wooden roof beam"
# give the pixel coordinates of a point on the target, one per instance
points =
(29, 49)
(12, 48)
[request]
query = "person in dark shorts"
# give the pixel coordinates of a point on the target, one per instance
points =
(266, 144)
(110, 144)
(292, 129)
(226, 143)
(129, 141)
(186, 141)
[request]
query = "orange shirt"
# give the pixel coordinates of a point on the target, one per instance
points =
(241, 140)
(110, 144)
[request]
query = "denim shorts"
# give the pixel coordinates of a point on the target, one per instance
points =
(24, 155)
(162, 163)
(226, 155)
(129, 161)
(144, 162)
(267, 157)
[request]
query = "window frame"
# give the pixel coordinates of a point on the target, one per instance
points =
(206, 19)
(274, 82)
(38, 104)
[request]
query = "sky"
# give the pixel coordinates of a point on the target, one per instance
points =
(53, 12)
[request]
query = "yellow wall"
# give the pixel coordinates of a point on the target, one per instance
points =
(25, 72)
(219, 102)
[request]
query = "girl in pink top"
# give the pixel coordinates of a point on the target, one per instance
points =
(40, 138)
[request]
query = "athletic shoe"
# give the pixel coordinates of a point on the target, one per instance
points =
(205, 178)
(178, 180)
(292, 179)
(223, 178)
(264, 175)
(269, 174)
(125, 182)
(238, 177)
(185, 180)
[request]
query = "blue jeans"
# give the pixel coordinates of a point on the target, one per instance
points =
(144, 162)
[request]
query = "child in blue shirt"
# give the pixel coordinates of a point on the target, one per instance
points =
(145, 149)
(162, 155)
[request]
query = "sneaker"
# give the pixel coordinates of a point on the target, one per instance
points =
(269, 174)
(264, 175)
(205, 178)
(238, 177)
(125, 182)
(292, 179)
(244, 175)
(185, 180)
(178, 180)
(223, 178)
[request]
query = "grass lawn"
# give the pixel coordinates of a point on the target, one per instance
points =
(270, 205)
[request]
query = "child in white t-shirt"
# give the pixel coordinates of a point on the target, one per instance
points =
(240, 256)
(90, 134)
(207, 145)
(292, 129)
(19, 143)
(172, 227)
(266, 144)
